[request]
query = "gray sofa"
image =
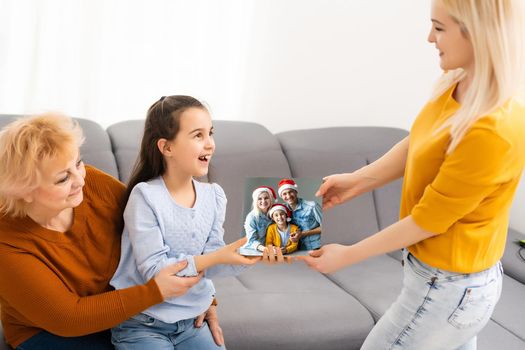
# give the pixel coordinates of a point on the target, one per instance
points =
(291, 306)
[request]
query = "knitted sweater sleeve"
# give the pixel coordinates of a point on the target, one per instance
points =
(37, 294)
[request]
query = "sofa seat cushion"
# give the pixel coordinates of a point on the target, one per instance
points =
(513, 263)
(289, 307)
(509, 310)
(493, 336)
(375, 282)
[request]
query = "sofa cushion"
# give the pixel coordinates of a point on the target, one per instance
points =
(96, 150)
(375, 282)
(509, 310)
(289, 307)
(125, 139)
(513, 263)
(493, 336)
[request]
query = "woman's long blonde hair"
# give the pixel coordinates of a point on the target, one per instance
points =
(496, 31)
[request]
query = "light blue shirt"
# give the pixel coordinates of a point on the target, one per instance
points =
(307, 215)
(255, 227)
(159, 232)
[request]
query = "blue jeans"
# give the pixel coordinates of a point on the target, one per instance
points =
(437, 309)
(45, 340)
(145, 332)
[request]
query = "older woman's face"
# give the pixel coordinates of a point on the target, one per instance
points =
(61, 185)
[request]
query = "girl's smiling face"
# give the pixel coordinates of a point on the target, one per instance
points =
(193, 146)
(279, 217)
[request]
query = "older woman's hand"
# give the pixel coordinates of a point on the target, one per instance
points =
(171, 285)
(213, 322)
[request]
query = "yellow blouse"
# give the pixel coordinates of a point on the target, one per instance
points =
(465, 196)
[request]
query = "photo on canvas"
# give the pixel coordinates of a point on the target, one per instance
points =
(282, 212)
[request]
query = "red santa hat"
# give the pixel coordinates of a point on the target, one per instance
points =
(281, 207)
(285, 184)
(261, 189)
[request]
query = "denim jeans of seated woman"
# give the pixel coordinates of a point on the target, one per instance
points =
(145, 332)
(47, 341)
(437, 309)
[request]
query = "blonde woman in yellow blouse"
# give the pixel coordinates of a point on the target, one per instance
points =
(461, 164)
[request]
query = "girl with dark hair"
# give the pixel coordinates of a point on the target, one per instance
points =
(171, 217)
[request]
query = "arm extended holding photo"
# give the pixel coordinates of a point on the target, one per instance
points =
(339, 188)
(218, 259)
(151, 253)
(463, 184)
(333, 257)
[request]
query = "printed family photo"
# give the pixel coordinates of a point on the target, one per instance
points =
(281, 212)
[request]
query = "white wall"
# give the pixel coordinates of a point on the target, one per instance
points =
(328, 63)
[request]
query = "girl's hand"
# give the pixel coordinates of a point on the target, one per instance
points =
(328, 258)
(229, 254)
(171, 285)
(339, 188)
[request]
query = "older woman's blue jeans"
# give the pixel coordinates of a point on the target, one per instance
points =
(437, 309)
(47, 341)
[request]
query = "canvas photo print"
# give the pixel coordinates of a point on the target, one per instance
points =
(282, 212)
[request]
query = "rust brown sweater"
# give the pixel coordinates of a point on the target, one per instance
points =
(59, 281)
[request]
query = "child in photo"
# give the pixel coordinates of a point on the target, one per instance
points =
(281, 233)
(171, 217)
(257, 220)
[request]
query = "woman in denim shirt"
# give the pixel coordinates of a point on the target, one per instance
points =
(257, 220)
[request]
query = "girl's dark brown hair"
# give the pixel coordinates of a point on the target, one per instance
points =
(162, 122)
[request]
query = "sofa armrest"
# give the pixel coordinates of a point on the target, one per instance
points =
(513, 263)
